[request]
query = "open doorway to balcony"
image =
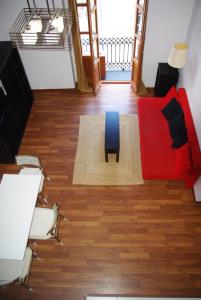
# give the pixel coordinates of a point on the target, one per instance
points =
(116, 23)
(116, 54)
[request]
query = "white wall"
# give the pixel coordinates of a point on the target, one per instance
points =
(167, 23)
(46, 69)
(191, 75)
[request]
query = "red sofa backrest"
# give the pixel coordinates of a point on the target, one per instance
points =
(192, 136)
(172, 93)
(182, 158)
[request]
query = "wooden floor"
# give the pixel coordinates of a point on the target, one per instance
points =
(129, 240)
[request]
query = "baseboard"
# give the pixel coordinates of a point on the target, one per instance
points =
(150, 89)
(54, 90)
(142, 91)
(145, 91)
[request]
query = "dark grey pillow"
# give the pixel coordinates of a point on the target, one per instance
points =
(171, 110)
(180, 139)
(177, 125)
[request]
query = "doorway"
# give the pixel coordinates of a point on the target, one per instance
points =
(116, 38)
(115, 51)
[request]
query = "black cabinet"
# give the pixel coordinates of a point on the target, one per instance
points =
(15, 101)
(166, 77)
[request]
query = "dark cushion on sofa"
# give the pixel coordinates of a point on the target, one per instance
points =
(180, 139)
(177, 125)
(171, 110)
(175, 117)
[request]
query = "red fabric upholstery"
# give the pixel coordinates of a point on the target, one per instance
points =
(183, 163)
(191, 177)
(192, 136)
(172, 93)
(159, 160)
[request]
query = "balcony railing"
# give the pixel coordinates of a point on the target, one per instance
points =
(117, 51)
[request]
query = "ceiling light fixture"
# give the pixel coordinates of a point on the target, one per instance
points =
(42, 28)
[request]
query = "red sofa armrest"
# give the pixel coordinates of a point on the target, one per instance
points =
(192, 136)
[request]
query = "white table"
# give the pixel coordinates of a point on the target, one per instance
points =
(18, 195)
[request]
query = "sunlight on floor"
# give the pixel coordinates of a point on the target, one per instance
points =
(118, 75)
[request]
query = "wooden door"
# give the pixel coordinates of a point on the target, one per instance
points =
(139, 36)
(88, 28)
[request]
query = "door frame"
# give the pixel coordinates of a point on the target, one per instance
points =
(136, 72)
(91, 62)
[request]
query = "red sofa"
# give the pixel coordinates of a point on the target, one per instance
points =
(159, 160)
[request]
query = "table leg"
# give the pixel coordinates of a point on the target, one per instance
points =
(117, 156)
(106, 156)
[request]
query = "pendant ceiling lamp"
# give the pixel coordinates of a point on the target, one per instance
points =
(42, 28)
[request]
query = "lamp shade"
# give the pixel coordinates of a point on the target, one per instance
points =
(178, 55)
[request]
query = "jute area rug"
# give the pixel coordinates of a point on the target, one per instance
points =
(90, 167)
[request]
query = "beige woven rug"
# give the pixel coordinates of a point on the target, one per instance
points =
(90, 167)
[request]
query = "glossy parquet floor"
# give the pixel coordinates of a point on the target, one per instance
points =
(129, 240)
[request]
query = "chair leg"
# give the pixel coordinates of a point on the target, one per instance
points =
(27, 287)
(59, 241)
(45, 199)
(64, 218)
(47, 177)
(42, 199)
(35, 255)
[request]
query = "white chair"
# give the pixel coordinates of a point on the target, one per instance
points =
(16, 271)
(30, 164)
(45, 223)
